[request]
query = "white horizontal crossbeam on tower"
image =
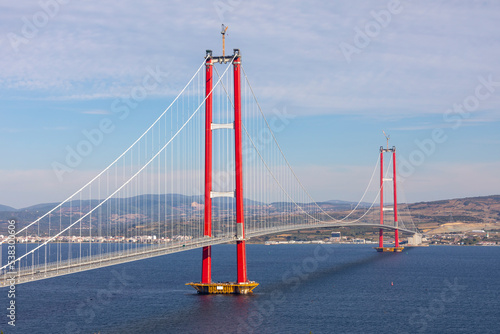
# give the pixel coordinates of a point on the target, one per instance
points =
(214, 194)
(216, 126)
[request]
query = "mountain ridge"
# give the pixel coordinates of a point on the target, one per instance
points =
(427, 216)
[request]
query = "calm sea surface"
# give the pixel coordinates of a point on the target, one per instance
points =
(303, 289)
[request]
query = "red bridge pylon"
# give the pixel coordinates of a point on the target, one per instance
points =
(394, 208)
(242, 284)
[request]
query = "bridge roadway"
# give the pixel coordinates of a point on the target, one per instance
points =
(75, 265)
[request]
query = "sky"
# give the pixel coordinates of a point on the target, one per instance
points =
(425, 72)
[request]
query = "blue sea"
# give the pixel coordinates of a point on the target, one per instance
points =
(303, 289)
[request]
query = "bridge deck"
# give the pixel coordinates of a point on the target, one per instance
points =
(71, 266)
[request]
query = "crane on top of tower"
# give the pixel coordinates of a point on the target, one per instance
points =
(223, 32)
(387, 138)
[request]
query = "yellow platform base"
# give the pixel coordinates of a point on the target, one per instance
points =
(226, 288)
(389, 249)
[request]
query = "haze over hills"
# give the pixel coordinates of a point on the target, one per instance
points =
(436, 216)
(6, 208)
(150, 208)
(172, 200)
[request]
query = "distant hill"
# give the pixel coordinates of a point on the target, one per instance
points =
(432, 217)
(143, 201)
(151, 203)
(457, 215)
(7, 208)
(148, 207)
(338, 204)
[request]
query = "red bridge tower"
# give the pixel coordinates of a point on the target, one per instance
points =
(242, 284)
(381, 247)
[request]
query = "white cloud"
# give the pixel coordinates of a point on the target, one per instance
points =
(427, 56)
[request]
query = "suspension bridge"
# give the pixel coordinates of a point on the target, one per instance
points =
(209, 170)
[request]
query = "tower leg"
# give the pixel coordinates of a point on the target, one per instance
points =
(242, 261)
(381, 231)
(206, 271)
(241, 257)
(396, 232)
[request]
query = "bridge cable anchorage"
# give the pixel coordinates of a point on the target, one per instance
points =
(116, 191)
(114, 162)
